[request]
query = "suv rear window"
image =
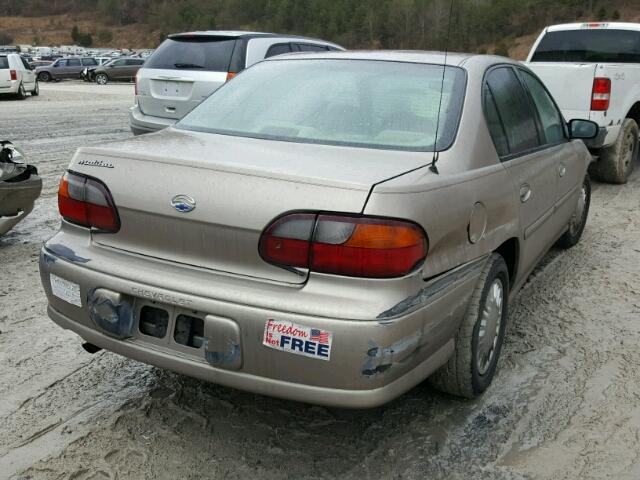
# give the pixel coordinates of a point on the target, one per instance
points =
(589, 46)
(4, 62)
(193, 53)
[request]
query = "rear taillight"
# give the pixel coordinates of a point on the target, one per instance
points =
(87, 202)
(601, 94)
(230, 75)
(344, 245)
(13, 74)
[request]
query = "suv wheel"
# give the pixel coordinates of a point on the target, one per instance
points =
(616, 162)
(36, 90)
(471, 368)
(102, 79)
(44, 76)
(579, 218)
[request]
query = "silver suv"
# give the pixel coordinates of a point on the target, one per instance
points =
(187, 67)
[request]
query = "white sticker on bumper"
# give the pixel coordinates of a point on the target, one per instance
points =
(298, 339)
(65, 290)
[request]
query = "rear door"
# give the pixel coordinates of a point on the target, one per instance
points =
(532, 165)
(182, 72)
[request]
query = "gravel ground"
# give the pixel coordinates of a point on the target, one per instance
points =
(565, 403)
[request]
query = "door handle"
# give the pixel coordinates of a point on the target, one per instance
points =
(562, 170)
(525, 192)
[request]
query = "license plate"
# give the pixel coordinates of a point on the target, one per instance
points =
(65, 290)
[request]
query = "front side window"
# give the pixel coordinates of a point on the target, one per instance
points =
(119, 63)
(514, 109)
(372, 104)
(550, 116)
(60, 63)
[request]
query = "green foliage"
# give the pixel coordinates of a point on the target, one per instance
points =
(615, 15)
(75, 34)
(602, 13)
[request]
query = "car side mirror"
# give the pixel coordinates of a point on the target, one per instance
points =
(583, 129)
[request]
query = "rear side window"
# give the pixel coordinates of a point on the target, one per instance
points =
(550, 117)
(73, 62)
(193, 53)
(278, 49)
(589, 46)
(4, 62)
(25, 63)
(513, 107)
(89, 62)
(493, 122)
(306, 47)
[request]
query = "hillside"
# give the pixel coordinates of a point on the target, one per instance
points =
(503, 26)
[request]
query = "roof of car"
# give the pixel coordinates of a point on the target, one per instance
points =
(408, 56)
(243, 34)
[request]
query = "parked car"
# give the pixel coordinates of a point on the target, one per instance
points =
(20, 186)
(65, 68)
(187, 67)
(39, 63)
(593, 70)
(332, 239)
(17, 77)
(121, 69)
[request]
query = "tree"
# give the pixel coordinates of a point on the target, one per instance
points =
(75, 34)
(85, 39)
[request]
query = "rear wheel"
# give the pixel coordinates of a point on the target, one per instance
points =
(579, 218)
(616, 162)
(102, 79)
(471, 368)
(22, 93)
(36, 90)
(44, 76)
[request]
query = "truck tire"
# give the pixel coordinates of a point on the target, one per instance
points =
(469, 371)
(616, 162)
(22, 93)
(44, 77)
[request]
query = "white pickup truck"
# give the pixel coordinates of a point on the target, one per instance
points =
(593, 71)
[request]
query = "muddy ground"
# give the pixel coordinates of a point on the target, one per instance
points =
(565, 403)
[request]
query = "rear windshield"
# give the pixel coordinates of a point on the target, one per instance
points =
(193, 53)
(373, 104)
(4, 62)
(589, 46)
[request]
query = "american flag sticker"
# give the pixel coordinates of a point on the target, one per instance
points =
(298, 339)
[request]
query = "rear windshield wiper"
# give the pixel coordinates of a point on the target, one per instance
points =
(187, 65)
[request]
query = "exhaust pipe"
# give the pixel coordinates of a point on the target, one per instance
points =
(91, 348)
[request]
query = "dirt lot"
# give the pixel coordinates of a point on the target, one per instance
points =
(565, 404)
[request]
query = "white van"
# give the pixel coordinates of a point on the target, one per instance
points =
(17, 76)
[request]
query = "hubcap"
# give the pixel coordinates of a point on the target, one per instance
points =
(578, 216)
(489, 331)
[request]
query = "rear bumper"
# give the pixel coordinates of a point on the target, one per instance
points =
(141, 123)
(17, 201)
(11, 89)
(371, 361)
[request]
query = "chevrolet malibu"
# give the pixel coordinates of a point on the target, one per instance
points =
(332, 228)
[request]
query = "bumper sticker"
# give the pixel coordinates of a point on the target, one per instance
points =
(298, 339)
(65, 290)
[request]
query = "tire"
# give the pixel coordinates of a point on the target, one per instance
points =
(44, 77)
(102, 79)
(36, 90)
(468, 372)
(579, 218)
(616, 162)
(22, 93)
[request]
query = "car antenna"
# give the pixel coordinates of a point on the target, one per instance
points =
(433, 167)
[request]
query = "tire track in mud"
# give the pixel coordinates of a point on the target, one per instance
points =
(564, 404)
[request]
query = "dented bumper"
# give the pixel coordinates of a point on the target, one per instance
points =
(143, 310)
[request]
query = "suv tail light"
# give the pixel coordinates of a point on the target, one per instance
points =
(13, 74)
(344, 245)
(230, 75)
(601, 94)
(87, 202)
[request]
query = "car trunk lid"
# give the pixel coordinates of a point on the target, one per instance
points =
(239, 186)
